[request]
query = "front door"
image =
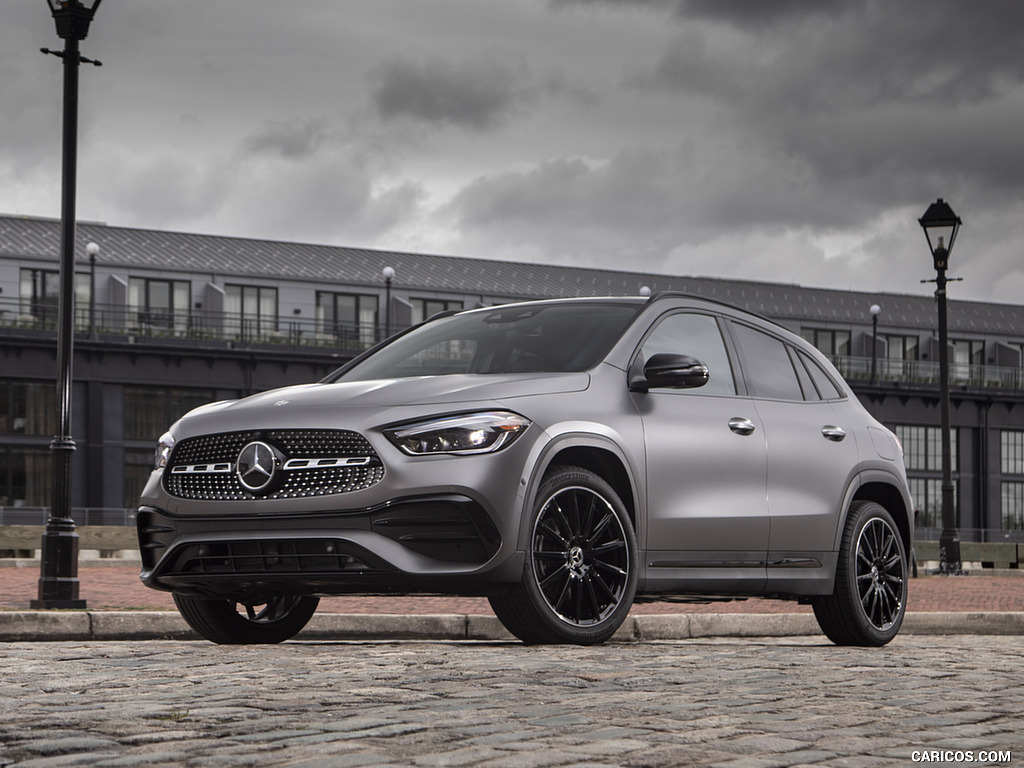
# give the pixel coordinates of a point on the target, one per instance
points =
(707, 514)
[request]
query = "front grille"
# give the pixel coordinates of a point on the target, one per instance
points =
(313, 462)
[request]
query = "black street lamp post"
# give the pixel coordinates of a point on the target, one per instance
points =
(389, 275)
(875, 311)
(58, 580)
(92, 249)
(940, 221)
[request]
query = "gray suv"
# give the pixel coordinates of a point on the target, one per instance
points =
(562, 458)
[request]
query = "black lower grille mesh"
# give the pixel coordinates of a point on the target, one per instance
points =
(267, 557)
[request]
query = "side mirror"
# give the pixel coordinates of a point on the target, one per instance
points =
(673, 371)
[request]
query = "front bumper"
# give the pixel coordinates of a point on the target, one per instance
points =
(437, 543)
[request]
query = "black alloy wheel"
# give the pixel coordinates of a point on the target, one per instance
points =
(870, 597)
(256, 622)
(581, 572)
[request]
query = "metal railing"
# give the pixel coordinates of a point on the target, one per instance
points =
(81, 516)
(194, 324)
(927, 372)
(975, 535)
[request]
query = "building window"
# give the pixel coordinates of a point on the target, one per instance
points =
(25, 476)
(1011, 452)
(424, 309)
(832, 343)
(922, 454)
(968, 352)
(922, 447)
(137, 466)
(149, 411)
(28, 408)
(965, 364)
(927, 495)
(1011, 467)
(901, 353)
(40, 297)
(350, 318)
(160, 304)
(1012, 505)
(250, 310)
(901, 347)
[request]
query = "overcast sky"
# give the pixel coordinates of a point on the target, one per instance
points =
(783, 140)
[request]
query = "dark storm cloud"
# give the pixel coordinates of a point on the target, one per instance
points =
(759, 12)
(797, 139)
(879, 54)
(476, 94)
(879, 101)
(661, 5)
(294, 141)
(746, 12)
(594, 213)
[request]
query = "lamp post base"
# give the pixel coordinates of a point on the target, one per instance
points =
(949, 554)
(58, 582)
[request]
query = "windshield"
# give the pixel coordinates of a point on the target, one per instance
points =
(514, 339)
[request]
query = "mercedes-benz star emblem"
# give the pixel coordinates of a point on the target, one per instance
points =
(257, 463)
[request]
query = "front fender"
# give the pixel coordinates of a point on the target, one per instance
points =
(575, 445)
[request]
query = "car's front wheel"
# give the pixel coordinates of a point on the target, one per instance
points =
(580, 575)
(270, 620)
(870, 596)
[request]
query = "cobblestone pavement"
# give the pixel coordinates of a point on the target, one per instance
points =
(741, 704)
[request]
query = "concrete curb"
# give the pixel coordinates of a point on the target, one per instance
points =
(29, 626)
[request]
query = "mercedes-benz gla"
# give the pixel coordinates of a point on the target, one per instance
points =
(562, 458)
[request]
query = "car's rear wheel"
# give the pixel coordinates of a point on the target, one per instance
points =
(580, 575)
(270, 620)
(870, 596)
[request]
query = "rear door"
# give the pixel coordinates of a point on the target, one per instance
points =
(812, 452)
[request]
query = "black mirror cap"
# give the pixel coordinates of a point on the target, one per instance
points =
(672, 371)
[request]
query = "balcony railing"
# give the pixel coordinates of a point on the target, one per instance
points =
(295, 331)
(81, 515)
(111, 320)
(927, 372)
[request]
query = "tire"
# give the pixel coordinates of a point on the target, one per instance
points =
(580, 575)
(227, 622)
(870, 597)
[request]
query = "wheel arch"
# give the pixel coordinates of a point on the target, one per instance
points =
(592, 452)
(886, 493)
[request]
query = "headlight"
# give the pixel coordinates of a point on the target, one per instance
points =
(163, 450)
(462, 435)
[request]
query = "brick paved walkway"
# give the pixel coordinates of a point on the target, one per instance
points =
(118, 588)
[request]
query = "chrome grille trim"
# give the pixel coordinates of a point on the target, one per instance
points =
(192, 469)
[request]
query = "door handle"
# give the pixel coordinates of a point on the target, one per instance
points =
(835, 434)
(741, 426)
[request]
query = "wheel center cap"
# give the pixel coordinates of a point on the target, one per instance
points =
(575, 559)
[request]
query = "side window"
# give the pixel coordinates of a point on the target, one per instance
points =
(826, 387)
(767, 366)
(697, 336)
(809, 390)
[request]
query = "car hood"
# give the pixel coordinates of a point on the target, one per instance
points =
(274, 405)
